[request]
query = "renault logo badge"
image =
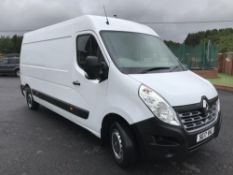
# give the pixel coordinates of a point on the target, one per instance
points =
(205, 106)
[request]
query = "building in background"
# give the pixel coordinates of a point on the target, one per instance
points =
(225, 63)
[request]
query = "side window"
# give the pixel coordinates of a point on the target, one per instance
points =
(87, 46)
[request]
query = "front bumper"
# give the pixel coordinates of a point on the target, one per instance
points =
(160, 140)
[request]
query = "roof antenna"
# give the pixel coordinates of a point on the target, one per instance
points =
(107, 21)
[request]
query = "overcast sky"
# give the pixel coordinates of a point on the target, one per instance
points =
(17, 15)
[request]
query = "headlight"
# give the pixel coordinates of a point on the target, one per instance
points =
(218, 105)
(159, 107)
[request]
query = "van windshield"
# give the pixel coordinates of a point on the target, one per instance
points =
(136, 53)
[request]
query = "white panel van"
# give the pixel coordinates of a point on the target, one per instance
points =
(119, 81)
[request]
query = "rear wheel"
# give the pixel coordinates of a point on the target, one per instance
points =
(32, 105)
(17, 73)
(122, 145)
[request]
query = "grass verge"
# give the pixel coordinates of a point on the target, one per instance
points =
(222, 80)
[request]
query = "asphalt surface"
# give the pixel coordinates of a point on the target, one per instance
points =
(44, 143)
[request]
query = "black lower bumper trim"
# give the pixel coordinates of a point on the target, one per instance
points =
(160, 140)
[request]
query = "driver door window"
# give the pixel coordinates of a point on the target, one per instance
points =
(87, 46)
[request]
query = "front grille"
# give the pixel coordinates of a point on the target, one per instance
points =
(197, 119)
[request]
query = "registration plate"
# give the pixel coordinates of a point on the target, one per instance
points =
(204, 135)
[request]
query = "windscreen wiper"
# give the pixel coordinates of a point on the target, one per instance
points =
(177, 67)
(154, 69)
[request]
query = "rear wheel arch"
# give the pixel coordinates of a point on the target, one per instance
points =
(25, 87)
(33, 105)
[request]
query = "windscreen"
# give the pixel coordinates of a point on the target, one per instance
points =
(135, 53)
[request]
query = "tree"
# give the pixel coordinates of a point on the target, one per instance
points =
(222, 38)
(10, 44)
(171, 44)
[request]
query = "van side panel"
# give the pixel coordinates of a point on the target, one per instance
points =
(48, 60)
(46, 66)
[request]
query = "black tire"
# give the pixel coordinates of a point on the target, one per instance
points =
(122, 145)
(32, 105)
(17, 73)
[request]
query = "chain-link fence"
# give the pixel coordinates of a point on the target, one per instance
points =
(204, 59)
(200, 57)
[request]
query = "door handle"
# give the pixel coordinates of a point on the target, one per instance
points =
(76, 83)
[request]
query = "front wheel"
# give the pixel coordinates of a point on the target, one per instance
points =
(32, 105)
(122, 145)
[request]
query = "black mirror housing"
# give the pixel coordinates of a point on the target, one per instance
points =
(92, 66)
(92, 61)
(96, 69)
(103, 71)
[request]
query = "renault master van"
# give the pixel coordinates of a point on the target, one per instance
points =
(118, 80)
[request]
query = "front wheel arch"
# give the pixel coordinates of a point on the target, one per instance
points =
(123, 145)
(106, 124)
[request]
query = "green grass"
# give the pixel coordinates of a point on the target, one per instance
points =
(223, 79)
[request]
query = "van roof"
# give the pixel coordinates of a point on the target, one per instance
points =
(86, 22)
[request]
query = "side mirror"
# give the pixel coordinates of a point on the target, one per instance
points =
(185, 66)
(103, 75)
(92, 67)
(96, 69)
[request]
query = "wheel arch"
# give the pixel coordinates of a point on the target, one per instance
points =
(106, 124)
(23, 88)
